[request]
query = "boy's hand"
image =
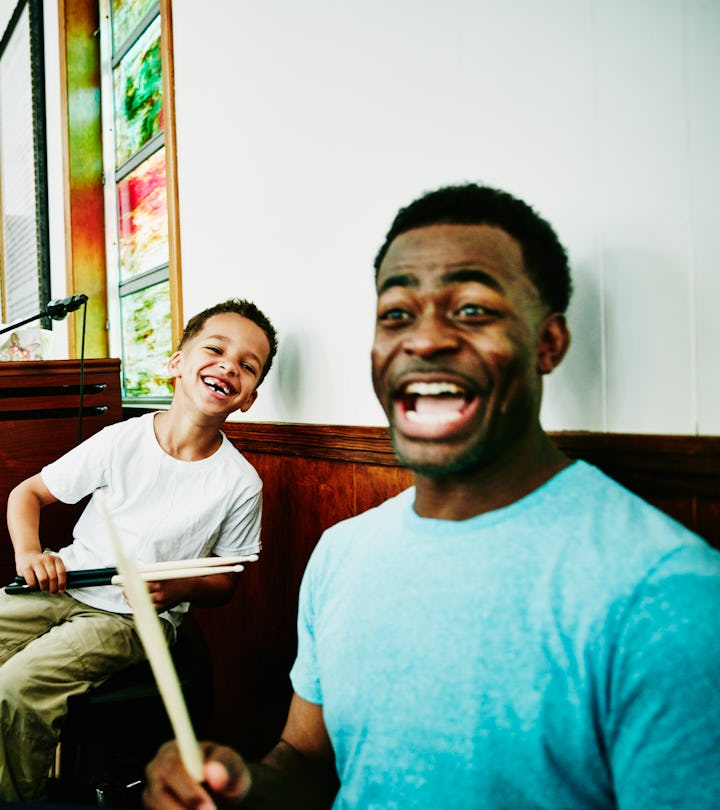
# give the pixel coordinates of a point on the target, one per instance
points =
(46, 571)
(207, 591)
(167, 593)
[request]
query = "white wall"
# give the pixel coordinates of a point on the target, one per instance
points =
(302, 127)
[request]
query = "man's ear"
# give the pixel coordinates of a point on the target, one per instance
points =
(553, 342)
(173, 365)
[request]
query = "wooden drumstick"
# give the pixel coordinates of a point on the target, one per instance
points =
(156, 649)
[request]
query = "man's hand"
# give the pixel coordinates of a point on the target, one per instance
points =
(168, 785)
(46, 571)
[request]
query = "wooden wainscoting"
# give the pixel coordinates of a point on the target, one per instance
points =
(316, 475)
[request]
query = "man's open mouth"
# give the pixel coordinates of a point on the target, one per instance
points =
(433, 409)
(433, 402)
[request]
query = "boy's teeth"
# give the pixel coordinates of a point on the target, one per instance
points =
(216, 386)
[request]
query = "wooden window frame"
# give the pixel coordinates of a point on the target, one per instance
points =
(85, 212)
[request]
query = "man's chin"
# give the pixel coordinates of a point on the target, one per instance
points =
(433, 459)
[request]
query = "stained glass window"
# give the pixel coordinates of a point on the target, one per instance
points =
(142, 218)
(127, 15)
(146, 337)
(137, 90)
(139, 253)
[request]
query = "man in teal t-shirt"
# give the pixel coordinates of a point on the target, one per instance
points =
(516, 630)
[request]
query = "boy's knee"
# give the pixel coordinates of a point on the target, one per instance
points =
(12, 693)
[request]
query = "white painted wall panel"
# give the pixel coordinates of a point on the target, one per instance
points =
(702, 38)
(303, 127)
(643, 199)
(340, 114)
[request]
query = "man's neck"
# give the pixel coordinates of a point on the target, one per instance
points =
(459, 496)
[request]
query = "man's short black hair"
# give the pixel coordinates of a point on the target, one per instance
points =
(240, 307)
(546, 261)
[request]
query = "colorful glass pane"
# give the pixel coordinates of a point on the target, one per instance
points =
(147, 341)
(126, 14)
(137, 83)
(142, 217)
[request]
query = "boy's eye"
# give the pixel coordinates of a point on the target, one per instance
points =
(213, 349)
(250, 369)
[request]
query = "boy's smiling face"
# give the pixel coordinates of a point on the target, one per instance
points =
(220, 367)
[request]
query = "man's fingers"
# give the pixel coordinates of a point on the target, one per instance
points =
(168, 784)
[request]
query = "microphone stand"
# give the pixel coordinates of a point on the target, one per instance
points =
(37, 317)
(56, 310)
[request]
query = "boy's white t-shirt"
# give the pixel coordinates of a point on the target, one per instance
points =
(162, 508)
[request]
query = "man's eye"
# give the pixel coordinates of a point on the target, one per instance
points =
(393, 315)
(473, 311)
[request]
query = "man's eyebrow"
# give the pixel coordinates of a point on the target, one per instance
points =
(398, 280)
(473, 274)
(457, 276)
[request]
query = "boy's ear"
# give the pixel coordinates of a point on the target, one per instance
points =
(249, 401)
(174, 362)
(553, 342)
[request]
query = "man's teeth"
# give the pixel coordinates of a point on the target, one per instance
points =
(434, 418)
(433, 389)
(437, 402)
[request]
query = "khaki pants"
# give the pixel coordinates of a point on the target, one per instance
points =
(51, 647)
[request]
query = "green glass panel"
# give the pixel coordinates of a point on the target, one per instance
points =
(142, 218)
(137, 89)
(147, 341)
(126, 14)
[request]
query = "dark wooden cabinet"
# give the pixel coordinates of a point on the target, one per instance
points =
(40, 419)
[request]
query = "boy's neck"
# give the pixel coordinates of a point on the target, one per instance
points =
(185, 439)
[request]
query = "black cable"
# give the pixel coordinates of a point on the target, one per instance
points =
(77, 509)
(82, 373)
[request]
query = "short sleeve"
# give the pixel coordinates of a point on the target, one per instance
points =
(305, 674)
(240, 530)
(664, 734)
(81, 470)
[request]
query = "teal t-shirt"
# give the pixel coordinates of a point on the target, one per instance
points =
(560, 653)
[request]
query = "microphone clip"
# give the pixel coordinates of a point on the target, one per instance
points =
(58, 308)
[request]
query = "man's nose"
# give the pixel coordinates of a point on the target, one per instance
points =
(430, 334)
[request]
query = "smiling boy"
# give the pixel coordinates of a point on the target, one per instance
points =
(516, 630)
(177, 489)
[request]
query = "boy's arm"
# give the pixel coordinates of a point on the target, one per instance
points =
(299, 773)
(25, 501)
